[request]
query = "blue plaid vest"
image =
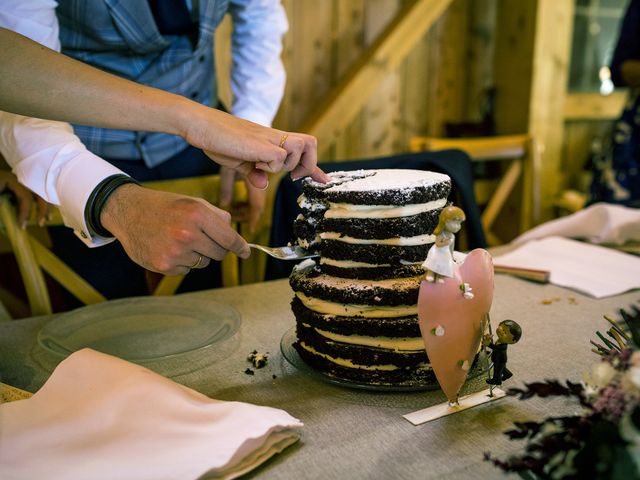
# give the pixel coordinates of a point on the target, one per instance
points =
(121, 37)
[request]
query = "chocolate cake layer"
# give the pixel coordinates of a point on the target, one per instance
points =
(375, 327)
(383, 228)
(374, 253)
(306, 233)
(409, 376)
(373, 273)
(357, 354)
(385, 293)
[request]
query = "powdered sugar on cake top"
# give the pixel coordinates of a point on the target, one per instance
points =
(380, 180)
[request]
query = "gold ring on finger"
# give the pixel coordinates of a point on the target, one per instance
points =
(198, 262)
(283, 139)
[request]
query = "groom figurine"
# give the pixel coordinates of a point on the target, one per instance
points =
(508, 332)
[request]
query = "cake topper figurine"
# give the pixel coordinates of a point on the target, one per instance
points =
(439, 262)
(450, 314)
(508, 333)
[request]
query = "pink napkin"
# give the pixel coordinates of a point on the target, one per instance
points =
(101, 417)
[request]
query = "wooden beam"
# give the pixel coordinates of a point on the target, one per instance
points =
(551, 57)
(347, 98)
(593, 106)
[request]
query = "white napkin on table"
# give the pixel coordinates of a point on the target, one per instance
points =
(599, 223)
(100, 417)
(592, 269)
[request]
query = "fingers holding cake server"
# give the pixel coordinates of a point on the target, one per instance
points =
(173, 233)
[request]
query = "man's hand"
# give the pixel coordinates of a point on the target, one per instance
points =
(166, 232)
(25, 199)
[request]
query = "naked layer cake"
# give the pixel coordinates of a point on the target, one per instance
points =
(356, 308)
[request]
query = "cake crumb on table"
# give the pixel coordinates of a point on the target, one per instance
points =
(549, 301)
(248, 371)
(258, 360)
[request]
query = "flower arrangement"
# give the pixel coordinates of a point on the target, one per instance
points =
(603, 441)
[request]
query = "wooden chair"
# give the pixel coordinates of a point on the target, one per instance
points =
(520, 156)
(34, 256)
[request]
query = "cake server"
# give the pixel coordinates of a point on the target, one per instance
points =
(287, 252)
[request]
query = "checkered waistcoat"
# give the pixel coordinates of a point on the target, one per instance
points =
(121, 37)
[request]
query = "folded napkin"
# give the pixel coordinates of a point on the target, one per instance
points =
(599, 223)
(100, 417)
(592, 269)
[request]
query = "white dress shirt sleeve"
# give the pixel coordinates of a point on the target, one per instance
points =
(52, 162)
(257, 72)
(46, 156)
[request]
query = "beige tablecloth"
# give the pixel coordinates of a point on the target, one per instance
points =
(361, 434)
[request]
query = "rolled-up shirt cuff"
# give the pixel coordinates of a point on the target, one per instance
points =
(75, 185)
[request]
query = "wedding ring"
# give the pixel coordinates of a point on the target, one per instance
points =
(198, 262)
(282, 140)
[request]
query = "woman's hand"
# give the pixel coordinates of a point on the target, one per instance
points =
(250, 149)
(25, 198)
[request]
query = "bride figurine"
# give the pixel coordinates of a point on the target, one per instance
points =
(439, 262)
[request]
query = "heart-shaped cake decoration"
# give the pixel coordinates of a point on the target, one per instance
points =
(451, 313)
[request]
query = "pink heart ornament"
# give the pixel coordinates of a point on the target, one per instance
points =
(451, 324)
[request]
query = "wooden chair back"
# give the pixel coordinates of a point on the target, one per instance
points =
(520, 156)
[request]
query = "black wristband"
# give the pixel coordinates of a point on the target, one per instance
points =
(97, 200)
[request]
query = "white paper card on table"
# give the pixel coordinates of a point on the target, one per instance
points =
(443, 409)
(101, 417)
(591, 269)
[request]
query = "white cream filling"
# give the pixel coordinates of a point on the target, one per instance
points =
(407, 241)
(350, 264)
(348, 210)
(312, 206)
(403, 344)
(352, 310)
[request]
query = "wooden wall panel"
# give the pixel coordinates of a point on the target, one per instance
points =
(452, 65)
(308, 58)
(513, 66)
(381, 123)
(546, 112)
(349, 43)
(416, 95)
(480, 55)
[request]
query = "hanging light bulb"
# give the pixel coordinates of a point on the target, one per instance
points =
(606, 85)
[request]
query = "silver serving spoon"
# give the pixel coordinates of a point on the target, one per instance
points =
(286, 253)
